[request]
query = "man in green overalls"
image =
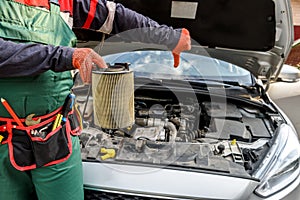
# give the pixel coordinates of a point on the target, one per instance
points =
(37, 53)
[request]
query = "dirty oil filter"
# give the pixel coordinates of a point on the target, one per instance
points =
(113, 98)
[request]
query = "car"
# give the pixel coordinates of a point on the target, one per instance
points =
(204, 130)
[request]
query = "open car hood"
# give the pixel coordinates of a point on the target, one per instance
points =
(254, 34)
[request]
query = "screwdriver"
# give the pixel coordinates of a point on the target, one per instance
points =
(67, 107)
(11, 112)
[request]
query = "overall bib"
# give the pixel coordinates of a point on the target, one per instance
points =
(41, 95)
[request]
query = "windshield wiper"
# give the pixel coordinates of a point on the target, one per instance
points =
(179, 83)
(226, 84)
(235, 83)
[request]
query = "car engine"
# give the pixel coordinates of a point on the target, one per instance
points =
(225, 136)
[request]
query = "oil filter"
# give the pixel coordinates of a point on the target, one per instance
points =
(113, 97)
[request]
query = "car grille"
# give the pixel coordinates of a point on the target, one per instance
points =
(99, 195)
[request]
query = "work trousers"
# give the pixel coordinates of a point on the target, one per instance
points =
(63, 181)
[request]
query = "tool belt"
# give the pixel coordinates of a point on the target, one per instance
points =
(39, 145)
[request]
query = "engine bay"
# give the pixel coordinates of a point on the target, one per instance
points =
(220, 136)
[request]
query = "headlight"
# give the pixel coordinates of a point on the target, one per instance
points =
(281, 165)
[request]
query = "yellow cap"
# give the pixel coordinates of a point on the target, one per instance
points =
(233, 142)
(1, 138)
(109, 153)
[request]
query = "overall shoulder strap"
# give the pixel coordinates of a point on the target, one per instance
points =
(65, 5)
(36, 3)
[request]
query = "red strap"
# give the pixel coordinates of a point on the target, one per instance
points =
(40, 3)
(66, 6)
(91, 14)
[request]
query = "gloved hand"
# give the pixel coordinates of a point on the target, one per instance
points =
(84, 60)
(183, 44)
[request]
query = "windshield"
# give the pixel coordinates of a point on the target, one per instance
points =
(159, 64)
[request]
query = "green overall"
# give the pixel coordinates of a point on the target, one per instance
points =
(40, 95)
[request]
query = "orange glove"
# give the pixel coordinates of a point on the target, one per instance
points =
(183, 44)
(84, 60)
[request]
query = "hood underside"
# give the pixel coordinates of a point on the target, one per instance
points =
(248, 25)
(247, 32)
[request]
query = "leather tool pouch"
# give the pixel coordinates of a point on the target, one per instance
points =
(37, 146)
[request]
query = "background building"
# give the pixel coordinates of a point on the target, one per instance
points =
(294, 56)
(296, 17)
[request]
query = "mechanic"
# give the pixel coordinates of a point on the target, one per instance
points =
(40, 151)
